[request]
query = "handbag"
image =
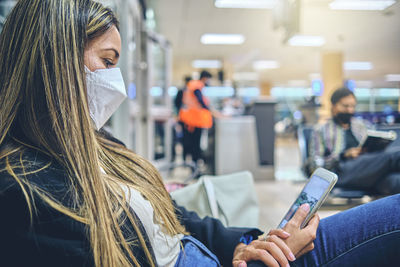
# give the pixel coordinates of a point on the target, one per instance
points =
(230, 198)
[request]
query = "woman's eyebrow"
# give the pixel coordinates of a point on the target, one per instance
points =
(114, 50)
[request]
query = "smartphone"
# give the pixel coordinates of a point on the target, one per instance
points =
(314, 193)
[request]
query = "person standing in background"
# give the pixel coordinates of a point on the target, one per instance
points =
(178, 125)
(195, 115)
(179, 95)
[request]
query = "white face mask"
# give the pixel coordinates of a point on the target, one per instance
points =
(106, 92)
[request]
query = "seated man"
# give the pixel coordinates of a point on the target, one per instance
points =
(335, 146)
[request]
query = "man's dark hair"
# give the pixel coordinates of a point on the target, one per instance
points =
(205, 74)
(187, 79)
(339, 94)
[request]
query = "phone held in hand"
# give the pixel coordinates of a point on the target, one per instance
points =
(314, 193)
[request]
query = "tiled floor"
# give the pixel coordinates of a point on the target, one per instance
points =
(287, 160)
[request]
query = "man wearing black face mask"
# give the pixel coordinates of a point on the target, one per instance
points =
(335, 146)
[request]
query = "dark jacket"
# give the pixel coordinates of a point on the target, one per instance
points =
(55, 239)
(328, 141)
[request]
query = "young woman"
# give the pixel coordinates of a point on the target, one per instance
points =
(71, 197)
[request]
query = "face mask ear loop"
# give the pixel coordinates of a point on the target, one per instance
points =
(87, 70)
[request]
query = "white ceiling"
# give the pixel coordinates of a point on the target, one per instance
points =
(361, 36)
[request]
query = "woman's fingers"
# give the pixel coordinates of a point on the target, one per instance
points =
(239, 263)
(272, 249)
(282, 246)
(252, 253)
(300, 215)
(313, 223)
(267, 252)
(279, 232)
(312, 227)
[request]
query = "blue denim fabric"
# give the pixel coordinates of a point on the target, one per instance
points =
(195, 254)
(368, 235)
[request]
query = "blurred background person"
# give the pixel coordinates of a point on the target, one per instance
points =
(195, 115)
(177, 129)
(335, 146)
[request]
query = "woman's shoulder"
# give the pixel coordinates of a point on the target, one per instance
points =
(33, 167)
(47, 236)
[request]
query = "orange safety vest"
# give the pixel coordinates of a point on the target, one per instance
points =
(192, 113)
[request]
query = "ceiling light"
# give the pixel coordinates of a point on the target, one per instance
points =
(357, 65)
(392, 78)
(222, 39)
(306, 40)
(361, 4)
(265, 64)
(245, 76)
(251, 4)
(206, 64)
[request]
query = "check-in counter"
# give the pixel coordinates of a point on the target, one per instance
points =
(237, 148)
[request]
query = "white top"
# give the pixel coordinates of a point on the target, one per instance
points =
(166, 248)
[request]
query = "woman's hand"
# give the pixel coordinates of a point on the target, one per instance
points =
(301, 240)
(271, 250)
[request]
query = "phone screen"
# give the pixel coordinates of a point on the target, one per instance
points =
(311, 193)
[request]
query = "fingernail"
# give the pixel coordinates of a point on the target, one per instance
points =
(292, 257)
(288, 265)
(305, 207)
(242, 264)
(286, 233)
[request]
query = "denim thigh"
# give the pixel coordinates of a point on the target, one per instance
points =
(367, 235)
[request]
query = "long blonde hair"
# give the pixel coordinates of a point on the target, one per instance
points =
(44, 107)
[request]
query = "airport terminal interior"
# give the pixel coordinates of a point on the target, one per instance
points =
(274, 66)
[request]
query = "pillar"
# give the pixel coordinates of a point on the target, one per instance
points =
(332, 76)
(265, 89)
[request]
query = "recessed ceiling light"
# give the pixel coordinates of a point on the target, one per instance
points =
(265, 64)
(357, 65)
(306, 40)
(222, 39)
(392, 78)
(206, 64)
(251, 4)
(361, 4)
(245, 76)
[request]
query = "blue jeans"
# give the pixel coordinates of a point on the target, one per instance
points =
(368, 235)
(378, 171)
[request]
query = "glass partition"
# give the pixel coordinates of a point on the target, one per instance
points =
(158, 77)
